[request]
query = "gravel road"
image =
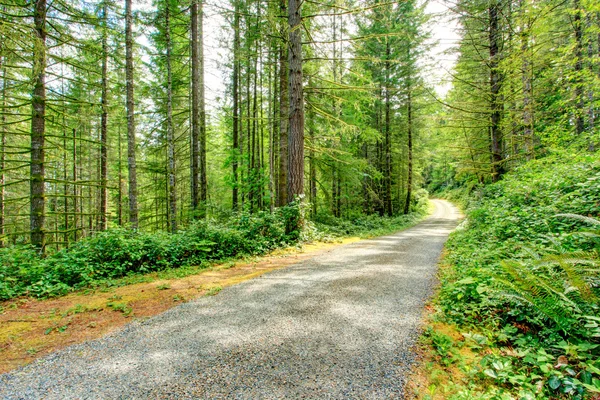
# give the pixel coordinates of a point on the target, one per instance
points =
(340, 325)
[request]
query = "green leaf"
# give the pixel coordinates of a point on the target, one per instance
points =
(466, 281)
(491, 373)
(554, 382)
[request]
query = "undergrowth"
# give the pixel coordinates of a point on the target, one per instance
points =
(524, 283)
(114, 254)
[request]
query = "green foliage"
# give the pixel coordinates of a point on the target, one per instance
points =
(443, 345)
(525, 274)
(120, 252)
(358, 224)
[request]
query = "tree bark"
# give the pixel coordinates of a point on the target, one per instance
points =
(590, 92)
(104, 121)
(75, 191)
(236, 103)
(2, 153)
(120, 177)
(311, 160)
(496, 104)
(295, 178)
(172, 198)
(579, 98)
(131, 160)
(410, 150)
(284, 117)
(387, 177)
(38, 127)
(202, 111)
(195, 117)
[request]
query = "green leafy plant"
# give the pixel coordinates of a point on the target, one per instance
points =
(120, 307)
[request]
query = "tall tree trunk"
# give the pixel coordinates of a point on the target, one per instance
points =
(496, 105)
(284, 118)
(410, 150)
(172, 198)
(131, 160)
(120, 177)
(195, 117)
(2, 153)
(202, 111)
(236, 103)
(271, 130)
(590, 92)
(75, 189)
(254, 159)
(104, 121)
(38, 128)
(311, 160)
(295, 178)
(387, 177)
(579, 98)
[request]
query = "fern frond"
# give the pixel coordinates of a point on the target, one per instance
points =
(569, 263)
(547, 296)
(583, 218)
(543, 307)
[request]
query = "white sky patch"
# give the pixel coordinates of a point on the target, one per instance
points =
(444, 37)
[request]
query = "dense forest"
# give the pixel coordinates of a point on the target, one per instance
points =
(116, 157)
(105, 118)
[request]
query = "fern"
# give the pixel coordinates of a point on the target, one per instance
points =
(582, 218)
(563, 295)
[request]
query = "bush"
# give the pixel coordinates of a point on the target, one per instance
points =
(119, 252)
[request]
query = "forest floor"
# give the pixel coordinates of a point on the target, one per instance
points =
(342, 321)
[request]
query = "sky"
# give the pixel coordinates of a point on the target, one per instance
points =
(444, 31)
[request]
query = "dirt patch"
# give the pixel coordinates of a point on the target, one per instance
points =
(31, 328)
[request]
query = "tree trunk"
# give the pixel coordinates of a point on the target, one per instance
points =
(104, 122)
(172, 198)
(120, 178)
(38, 127)
(579, 98)
(202, 110)
(295, 178)
(590, 93)
(496, 105)
(284, 115)
(195, 117)
(75, 191)
(131, 161)
(2, 153)
(387, 177)
(311, 161)
(236, 103)
(410, 150)
(271, 130)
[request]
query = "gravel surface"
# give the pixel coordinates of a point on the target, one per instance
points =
(340, 325)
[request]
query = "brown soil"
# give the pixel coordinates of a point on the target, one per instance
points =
(31, 328)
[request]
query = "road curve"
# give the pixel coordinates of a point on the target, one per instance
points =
(340, 325)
